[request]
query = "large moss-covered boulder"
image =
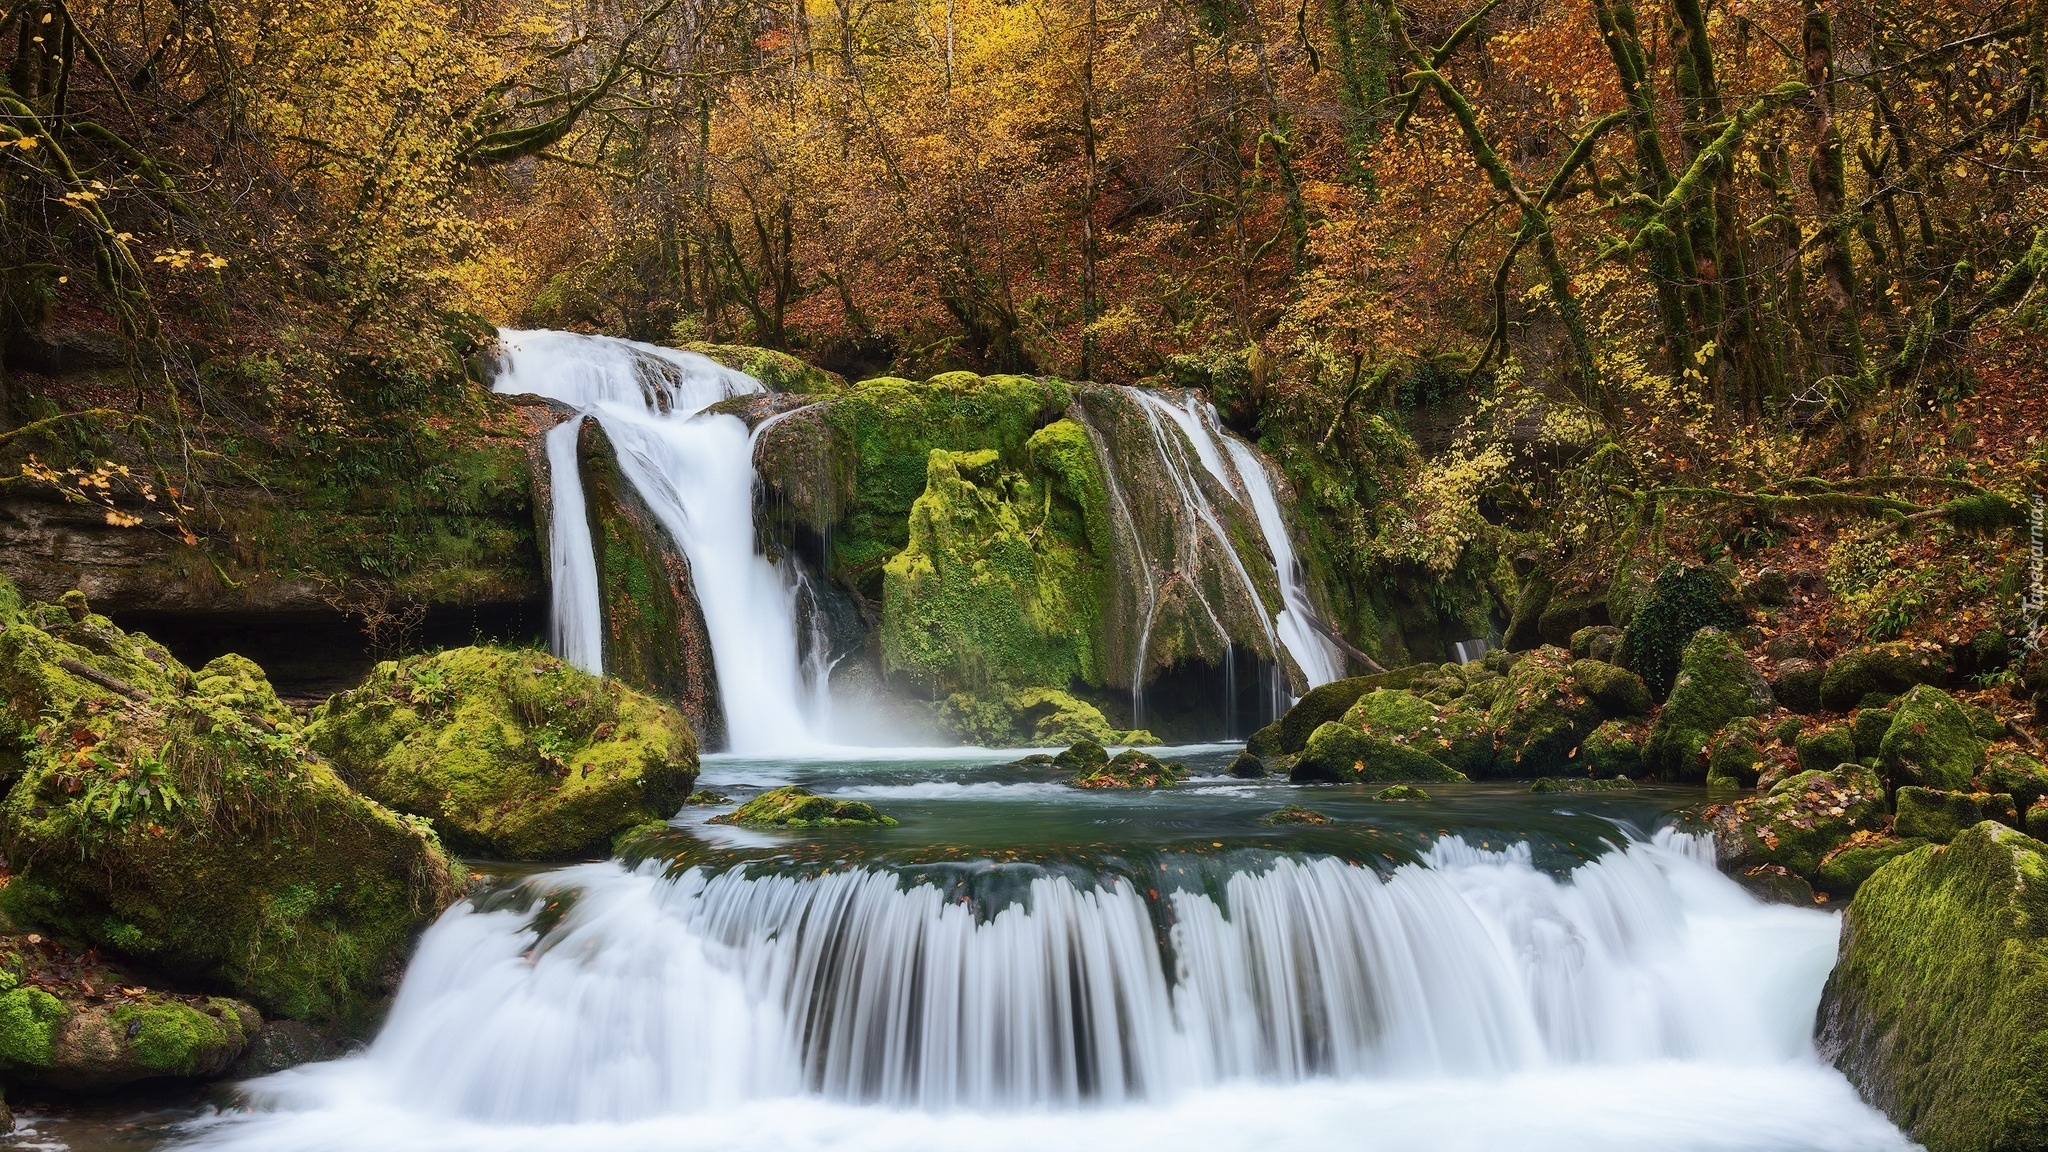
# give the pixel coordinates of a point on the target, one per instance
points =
(1822, 750)
(1684, 600)
(2009, 770)
(1938, 817)
(1937, 1008)
(1799, 822)
(1844, 869)
(1735, 754)
(180, 820)
(1031, 717)
(1131, 768)
(1542, 714)
(1618, 691)
(1613, 749)
(1449, 733)
(798, 808)
(1883, 669)
(1715, 684)
(510, 752)
(1319, 706)
(1339, 753)
(1930, 742)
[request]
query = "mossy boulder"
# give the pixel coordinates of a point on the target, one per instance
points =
(1246, 766)
(1735, 755)
(1031, 717)
(1937, 1007)
(794, 807)
(1612, 749)
(1548, 785)
(1799, 821)
(1600, 642)
(1887, 669)
(1318, 706)
(1822, 750)
(1568, 613)
(1844, 869)
(1294, 814)
(1684, 600)
(1715, 684)
(1930, 742)
(196, 832)
(511, 753)
(1868, 726)
(1132, 768)
(1796, 684)
(1542, 714)
(1400, 792)
(2009, 770)
(777, 371)
(1339, 753)
(1083, 756)
(1618, 691)
(1449, 733)
(1934, 815)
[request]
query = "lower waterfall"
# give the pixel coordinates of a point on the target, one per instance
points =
(1475, 1001)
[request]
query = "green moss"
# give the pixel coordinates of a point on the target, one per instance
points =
(1714, 685)
(1400, 792)
(1683, 601)
(1548, 784)
(1612, 749)
(1133, 768)
(1541, 716)
(1294, 814)
(1845, 868)
(195, 831)
(777, 371)
(1826, 748)
(1318, 706)
(1083, 756)
(1339, 753)
(176, 1039)
(1867, 728)
(1888, 669)
(2012, 771)
(1937, 1008)
(509, 752)
(1735, 753)
(794, 807)
(1457, 736)
(1800, 821)
(1031, 717)
(29, 1018)
(1617, 691)
(1931, 742)
(1937, 816)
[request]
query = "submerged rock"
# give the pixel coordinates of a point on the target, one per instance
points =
(1581, 784)
(194, 831)
(1132, 768)
(511, 753)
(794, 807)
(1937, 1008)
(1401, 792)
(1294, 814)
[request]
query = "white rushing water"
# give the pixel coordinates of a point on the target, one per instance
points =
(1475, 1003)
(695, 471)
(1237, 467)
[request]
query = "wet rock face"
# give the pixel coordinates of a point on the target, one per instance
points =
(1937, 1008)
(510, 753)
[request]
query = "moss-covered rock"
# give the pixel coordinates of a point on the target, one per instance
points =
(1797, 682)
(1339, 753)
(1575, 784)
(1937, 1008)
(1938, 817)
(1822, 750)
(1930, 742)
(1888, 669)
(1799, 821)
(1683, 601)
(1735, 755)
(1031, 717)
(1083, 756)
(1132, 768)
(1844, 869)
(1618, 691)
(1294, 814)
(1318, 706)
(1400, 792)
(2009, 770)
(1568, 613)
(1612, 749)
(1867, 727)
(777, 371)
(511, 753)
(1453, 735)
(1715, 684)
(1541, 716)
(195, 831)
(1246, 766)
(794, 807)
(1599, 642)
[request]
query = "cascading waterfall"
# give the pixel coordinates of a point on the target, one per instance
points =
(657, 997)
(696, 472)
(1237, 467)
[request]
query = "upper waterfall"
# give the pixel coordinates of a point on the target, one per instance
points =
(695, 472)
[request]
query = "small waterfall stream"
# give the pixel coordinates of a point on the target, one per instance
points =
(655, 1008)
(696, 472)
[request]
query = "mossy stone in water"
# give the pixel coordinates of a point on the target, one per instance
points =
(511, 753)
(1541, 716)
(794, 807)
(1133, 768)
(1082, 756)
(1247, 766)
(1552, 784)
(1934, 815)
(1937, 1007)
(1612, 749)
(1800, 821)
(1318, 706)
(1294, 814)
(1339, 753)
(1401, 792)
(1452, 733)
(1735, 753)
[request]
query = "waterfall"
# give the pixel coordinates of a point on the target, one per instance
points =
(655, 997)
(695, 472)
(1236, 466)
